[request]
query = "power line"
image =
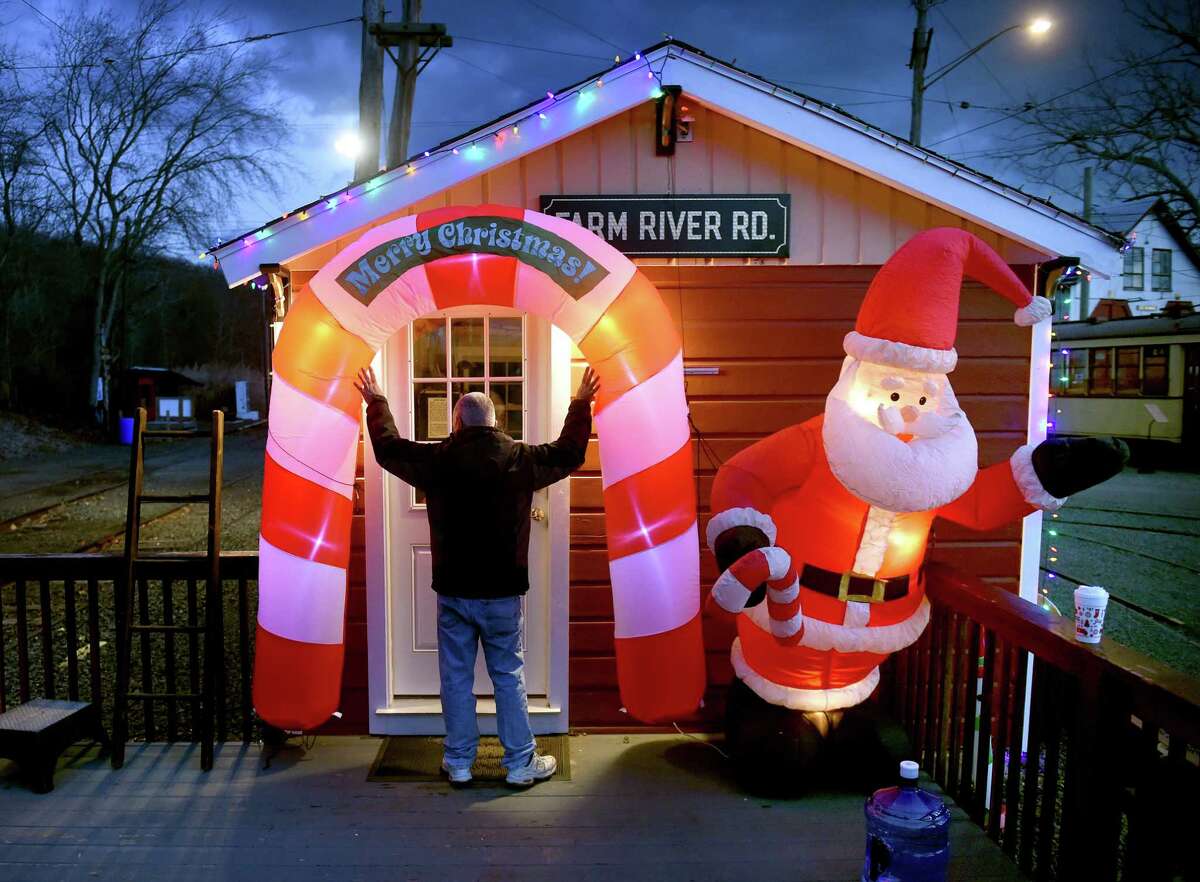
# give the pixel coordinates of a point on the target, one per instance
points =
(978, 57)
(1058, 97)
(576, 25)
(805, 83)
(479, 67)
(43, 15)
(946, 92)
(256, 38)
(532, 48)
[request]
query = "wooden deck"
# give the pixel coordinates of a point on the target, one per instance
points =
(639, 807)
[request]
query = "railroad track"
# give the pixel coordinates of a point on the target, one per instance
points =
(119, 479)
(111, 538)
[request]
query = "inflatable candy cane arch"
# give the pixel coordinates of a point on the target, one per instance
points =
(494, 255)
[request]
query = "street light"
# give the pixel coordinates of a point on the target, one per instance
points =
(920, 55)
(348, 144)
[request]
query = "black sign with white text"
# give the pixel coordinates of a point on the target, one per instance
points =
(682, 226)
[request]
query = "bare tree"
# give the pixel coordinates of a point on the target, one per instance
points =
(1140, 128)
(150, 130)
(23, 202)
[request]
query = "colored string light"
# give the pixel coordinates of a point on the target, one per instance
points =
(473, 152)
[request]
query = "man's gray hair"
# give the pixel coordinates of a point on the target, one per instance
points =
(475, 409)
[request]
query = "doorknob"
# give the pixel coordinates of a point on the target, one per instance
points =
(538, 514)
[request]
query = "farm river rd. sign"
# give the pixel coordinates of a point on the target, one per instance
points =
(682, 226)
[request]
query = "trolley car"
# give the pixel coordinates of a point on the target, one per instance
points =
(1134, 378)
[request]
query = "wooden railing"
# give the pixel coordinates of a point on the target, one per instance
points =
(58, 638)
(1099, 781)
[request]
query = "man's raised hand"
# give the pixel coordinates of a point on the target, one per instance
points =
(588, 386)
(367, 385)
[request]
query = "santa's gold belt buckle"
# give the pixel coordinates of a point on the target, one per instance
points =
(877, 590)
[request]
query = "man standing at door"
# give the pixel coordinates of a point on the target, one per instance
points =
(478, 485)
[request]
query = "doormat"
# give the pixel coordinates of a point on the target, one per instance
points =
(419, 758)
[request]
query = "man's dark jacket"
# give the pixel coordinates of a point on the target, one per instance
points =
(479, 486)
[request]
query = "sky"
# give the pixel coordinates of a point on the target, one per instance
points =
(851, 52)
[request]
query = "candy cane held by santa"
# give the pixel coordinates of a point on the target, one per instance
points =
(495, 255)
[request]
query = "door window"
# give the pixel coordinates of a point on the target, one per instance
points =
(457, 354)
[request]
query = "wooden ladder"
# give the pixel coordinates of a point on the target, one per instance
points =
(211, 687)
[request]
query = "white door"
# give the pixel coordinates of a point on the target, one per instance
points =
(505, 354)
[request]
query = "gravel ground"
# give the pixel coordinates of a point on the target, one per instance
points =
(76, 501)
(21, 438)
(1138, 536)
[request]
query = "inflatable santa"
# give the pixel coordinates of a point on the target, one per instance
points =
(820, 529)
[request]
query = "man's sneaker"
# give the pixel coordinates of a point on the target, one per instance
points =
(458, 777)
(539, 769)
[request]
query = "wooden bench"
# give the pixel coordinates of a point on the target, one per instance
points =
(35, 734)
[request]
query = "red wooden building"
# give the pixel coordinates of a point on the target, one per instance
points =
(762, 342)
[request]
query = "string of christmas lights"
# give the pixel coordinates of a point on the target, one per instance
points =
(540, 113)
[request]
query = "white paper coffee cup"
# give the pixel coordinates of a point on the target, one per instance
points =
(1090, 603)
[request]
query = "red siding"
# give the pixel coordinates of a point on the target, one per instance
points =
(775, 333)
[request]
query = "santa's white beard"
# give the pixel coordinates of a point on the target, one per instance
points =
(880, 469)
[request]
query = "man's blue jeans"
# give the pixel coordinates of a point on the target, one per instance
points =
(463, 624)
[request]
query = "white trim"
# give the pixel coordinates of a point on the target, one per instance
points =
(890, 160)
(821, 635)
(392, 715)
(738, 517)
(377, 554)
(559, 513)
(1035, 433)
(758, 103)
(897, 354)
(801, 699)
(423, 716)
(625, 87)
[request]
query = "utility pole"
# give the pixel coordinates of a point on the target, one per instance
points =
(917, 59)
(411, 45)
(406, 86)
(370, 93)
(1085, 286)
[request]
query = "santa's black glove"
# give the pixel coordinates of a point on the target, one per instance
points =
(1066, 466)
(735, 542)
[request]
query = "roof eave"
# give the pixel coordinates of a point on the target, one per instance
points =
(782, 112)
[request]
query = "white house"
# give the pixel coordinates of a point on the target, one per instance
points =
(1160, 263)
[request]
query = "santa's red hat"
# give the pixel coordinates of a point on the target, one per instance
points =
(910, 313)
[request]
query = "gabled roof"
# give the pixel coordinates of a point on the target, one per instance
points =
(791, 116)
(1122, 217)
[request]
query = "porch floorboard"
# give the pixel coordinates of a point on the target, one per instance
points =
(639, 807)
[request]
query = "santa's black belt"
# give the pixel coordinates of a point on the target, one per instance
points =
(847, 586)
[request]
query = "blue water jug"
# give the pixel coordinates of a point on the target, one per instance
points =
(908, 833)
